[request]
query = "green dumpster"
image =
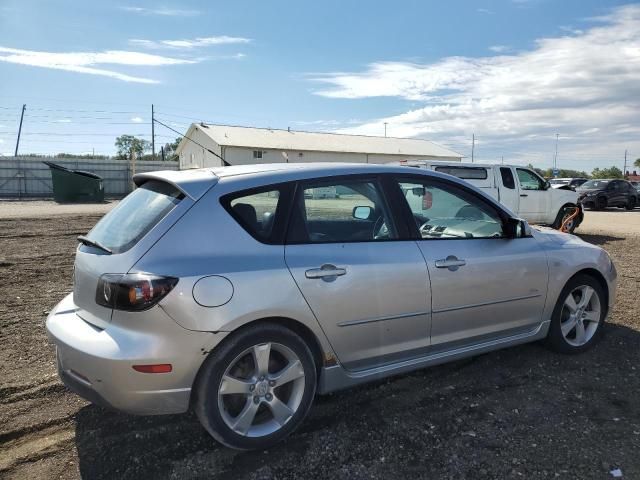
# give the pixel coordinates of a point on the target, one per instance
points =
(75, 185)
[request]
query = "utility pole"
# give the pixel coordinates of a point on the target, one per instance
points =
(503, 160)
(385, 129)
(24, 106)
(624, 170)
(555, 158)
(473, 145)
(153, 134)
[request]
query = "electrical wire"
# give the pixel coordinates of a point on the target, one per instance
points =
(192, 140)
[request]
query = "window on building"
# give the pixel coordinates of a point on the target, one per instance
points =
(257, 154)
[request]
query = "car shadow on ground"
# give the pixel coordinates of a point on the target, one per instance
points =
(598, 239)
(484, 412)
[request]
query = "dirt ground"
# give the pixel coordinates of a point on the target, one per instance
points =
(518, 413)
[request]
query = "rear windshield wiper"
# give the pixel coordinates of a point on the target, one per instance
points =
(93, 243)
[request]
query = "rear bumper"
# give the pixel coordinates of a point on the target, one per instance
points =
(97, 364)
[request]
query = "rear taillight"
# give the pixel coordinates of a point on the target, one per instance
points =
(133, 292)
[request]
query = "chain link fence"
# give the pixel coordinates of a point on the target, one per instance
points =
(26, 177)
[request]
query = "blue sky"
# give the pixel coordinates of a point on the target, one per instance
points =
(514, 72)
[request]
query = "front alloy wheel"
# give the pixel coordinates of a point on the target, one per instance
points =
(256, 387)
(578, 317)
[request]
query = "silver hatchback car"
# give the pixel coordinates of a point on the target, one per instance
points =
(243, 291)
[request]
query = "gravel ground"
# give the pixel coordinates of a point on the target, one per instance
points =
(518, 413)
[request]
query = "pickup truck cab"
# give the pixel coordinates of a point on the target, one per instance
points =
(519, 188)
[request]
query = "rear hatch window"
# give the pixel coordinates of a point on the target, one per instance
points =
(135, 215)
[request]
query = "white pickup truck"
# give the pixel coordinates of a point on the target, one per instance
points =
(520, 189)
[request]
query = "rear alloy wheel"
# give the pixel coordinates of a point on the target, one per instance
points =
(631, 203)
(257, 388)
(578, 317)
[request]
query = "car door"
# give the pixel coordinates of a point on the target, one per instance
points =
(483, 285)
(368, 289)
(534, 198)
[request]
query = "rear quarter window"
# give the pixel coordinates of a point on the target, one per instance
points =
(256, 210)
(136, 215)
(466, 173)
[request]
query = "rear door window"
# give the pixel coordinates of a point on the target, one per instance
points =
(135, 215)
(350, 211)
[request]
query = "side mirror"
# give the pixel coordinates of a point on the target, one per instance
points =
(516, 228)
(547, 185)
(362, 212)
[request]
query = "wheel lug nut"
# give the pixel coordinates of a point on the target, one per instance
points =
(256, 399)
(268, 396)
(252, 388)
(272, 383)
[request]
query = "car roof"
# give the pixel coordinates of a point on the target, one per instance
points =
(195, 182)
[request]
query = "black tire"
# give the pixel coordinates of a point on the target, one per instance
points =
(215, 366)
(562, 215)
(601, 203)
(631, 203)
(555, 340)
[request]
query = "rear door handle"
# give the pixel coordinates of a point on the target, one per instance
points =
(451, 262)
(524, 195)
(325, 271)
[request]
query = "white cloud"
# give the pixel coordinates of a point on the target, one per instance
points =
(136, 119)
(486, 11)
(63, 120)
(165, 12)
(190, 43)
(84, 62)
(1, 140)
(516, 103)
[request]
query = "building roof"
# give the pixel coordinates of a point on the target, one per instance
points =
(274, 139)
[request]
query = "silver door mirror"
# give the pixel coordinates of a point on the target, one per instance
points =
(362, 212)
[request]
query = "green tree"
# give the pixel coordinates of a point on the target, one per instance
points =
(636, 163)
(170, 150)
(611, 172)
(127, 145)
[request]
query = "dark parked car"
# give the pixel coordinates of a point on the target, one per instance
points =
(571, 183)
(600, 194)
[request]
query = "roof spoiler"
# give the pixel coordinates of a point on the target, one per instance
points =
(194, 184)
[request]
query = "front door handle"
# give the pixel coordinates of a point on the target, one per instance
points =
(325, 271)
(524, 195)
(451, 262)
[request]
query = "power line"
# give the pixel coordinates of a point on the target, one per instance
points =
(192, 140)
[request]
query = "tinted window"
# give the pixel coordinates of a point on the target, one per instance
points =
(256, 212)
(135, 215)
(470, 173)
(507, 177)
(444, 211)
(529, 180)
(340, 212)
(595, 184)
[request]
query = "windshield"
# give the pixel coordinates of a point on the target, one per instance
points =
(595, 184)
(135, 215)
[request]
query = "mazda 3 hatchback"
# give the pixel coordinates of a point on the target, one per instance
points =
(241, 292)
